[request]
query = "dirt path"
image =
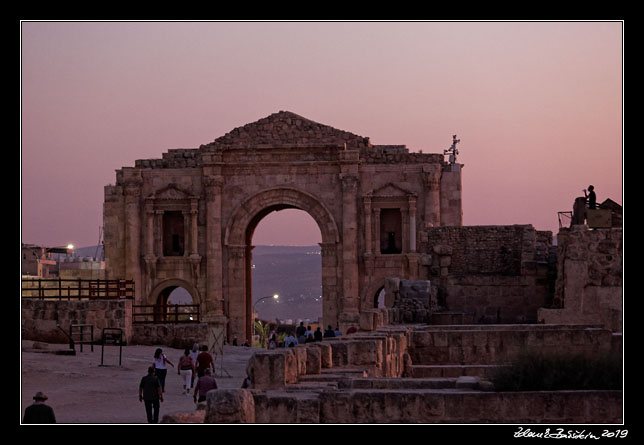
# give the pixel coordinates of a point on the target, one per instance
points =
(82, 391)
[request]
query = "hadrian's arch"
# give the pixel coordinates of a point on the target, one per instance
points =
(188, 217)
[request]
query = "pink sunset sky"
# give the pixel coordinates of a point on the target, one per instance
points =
(538, 107)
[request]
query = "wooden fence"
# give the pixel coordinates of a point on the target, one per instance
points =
(78, 289)
(168, 313)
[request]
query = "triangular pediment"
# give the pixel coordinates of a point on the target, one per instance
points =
(171, 191)
(390, 190)
(288, 129)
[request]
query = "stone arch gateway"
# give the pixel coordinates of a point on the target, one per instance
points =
(189, 216)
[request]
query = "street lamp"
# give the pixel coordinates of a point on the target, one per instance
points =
(274, 297)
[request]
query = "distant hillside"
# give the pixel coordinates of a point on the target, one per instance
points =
(295, 274)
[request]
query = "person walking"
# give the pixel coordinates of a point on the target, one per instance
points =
(186, 370)
(39, 412)
(205, 383)
(194, 352)
(151, 395)
(204, 360)
(160, 364)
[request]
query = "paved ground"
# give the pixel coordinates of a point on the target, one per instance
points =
(82, 391)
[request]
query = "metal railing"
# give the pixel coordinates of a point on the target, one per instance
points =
(565, 219)
(78, 289)
(167, 313)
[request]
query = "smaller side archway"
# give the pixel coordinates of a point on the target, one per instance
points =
(162, 296)
(379, 298)
(162, 291)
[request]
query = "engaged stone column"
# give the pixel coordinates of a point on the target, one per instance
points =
(412, 224)
(376, 231)
(367, 225)
(432, 198)
(350, 280)
(214, 289)
(194, 234)
(150, 258)
(132, 191)
(149, 225)
(158, 233)
(186, 232)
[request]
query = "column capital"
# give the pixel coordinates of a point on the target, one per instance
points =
(349, 182)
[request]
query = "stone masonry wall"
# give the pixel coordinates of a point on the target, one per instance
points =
(589, 281)
(495, 274)
(40, 318)
(484, 250)
(173, 335)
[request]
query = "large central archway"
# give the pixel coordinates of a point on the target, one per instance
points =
(238, 248)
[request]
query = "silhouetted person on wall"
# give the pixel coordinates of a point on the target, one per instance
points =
(592, 199)
(38, 412)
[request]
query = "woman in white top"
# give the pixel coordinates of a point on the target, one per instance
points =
(159, 362)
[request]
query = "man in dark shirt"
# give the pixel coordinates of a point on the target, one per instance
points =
(38, 412)
(204, 360)
(150, 393)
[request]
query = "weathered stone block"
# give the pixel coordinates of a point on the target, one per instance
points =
(313, 360)
(230, 406)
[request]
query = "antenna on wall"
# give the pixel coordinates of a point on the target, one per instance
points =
(99, 244)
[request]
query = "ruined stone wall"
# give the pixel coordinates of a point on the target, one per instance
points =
(410, 407)
(589, 280)
(499, 344)
(484, 250)
(496, 274)
(40, 318)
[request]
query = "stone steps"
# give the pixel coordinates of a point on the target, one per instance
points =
(451, 318)
(452, 371)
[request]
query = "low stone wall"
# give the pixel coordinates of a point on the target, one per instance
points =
(318, 383)
(498, 344)
(40, 318)
(417, 406)
(173, 335)
(378, 354)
